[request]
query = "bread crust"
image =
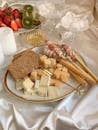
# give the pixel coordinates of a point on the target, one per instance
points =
(24, 64)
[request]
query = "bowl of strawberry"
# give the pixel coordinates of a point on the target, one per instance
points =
(18, 19)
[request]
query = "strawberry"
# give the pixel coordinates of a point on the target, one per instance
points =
(13, 25)
(1, 14)
(18, 22)
(17, 16)
(1, 19)
(2, 24)
(7, 11)
(7, 20)
(16, 13)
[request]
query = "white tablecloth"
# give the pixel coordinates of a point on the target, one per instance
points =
(72, 113)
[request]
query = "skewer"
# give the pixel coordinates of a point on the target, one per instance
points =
(73, 56)
(56, 49)
(77, 70)
(86, 68)
(79, 79)
(70, 65)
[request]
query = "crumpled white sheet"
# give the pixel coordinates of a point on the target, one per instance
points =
(72, 113)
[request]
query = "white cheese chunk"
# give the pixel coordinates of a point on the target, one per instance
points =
(27, 83)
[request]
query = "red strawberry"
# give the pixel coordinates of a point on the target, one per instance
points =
(7, 11)
(13, 25)
(7, 20)
(16, 13)
(0, 18)
(2, 24)
(19, 22)
(1, 14)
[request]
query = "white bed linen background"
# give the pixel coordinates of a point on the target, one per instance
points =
(74, 112)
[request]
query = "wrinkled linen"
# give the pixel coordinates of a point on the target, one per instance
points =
(74, 111)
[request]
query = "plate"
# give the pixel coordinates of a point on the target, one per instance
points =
(20, 6)
(61, 92)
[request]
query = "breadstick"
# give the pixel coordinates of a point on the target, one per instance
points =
(79, 79)
(86, 68)
(76, 69)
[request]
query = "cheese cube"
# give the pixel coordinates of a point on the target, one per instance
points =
(27, 83)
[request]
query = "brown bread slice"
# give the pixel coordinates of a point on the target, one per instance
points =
(24, 64)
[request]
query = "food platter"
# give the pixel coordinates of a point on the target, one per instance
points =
(20, 6)
(61, 92)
